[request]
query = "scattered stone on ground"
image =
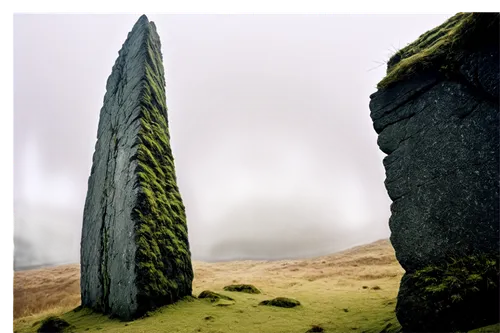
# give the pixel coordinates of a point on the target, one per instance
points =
(53, 324)
(282, 302)
(315, 328)
(243, 288)
(213, 296)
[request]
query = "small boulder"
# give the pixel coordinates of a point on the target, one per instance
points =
(243, 288)
(212, 296)
(53, 325)
(315, 328)
(282, 302)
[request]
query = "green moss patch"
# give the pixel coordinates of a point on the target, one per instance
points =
(243, 288)
(163, 259)
(459, 295)
(282, 302)
(53, 324)
(442, 48)
(212, 296)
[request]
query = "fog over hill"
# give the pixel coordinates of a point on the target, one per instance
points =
(274, 148)
(258, 229)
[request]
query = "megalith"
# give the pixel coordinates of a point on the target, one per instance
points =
(437, 118)
(135, 252)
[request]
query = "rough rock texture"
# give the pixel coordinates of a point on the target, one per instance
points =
(437, 116)
(134, 251)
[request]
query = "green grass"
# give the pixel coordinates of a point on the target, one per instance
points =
(488, 329)
(337, 293)
(441, 48)
(369, 311)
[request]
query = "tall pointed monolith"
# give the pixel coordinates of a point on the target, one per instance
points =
(134, 252)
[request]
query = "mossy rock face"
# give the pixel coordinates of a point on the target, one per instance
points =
(135, 254)
(442, 48)
(53, 325)
(213, 296)
(282, 302)
(243, 288)
(460, 295)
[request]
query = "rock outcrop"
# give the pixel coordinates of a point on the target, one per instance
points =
(134, 250)
(437, 116)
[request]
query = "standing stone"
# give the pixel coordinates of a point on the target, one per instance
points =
(437, 116)
(134, 251)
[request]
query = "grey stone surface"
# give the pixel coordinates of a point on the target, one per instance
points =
(441, 135)
(109, 275)
(441, 168)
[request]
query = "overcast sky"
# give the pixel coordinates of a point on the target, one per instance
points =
(274, 148)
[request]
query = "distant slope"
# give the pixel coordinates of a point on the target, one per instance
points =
(40, 290)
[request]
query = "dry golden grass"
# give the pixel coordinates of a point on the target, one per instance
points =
(45, 289)
(370, 270)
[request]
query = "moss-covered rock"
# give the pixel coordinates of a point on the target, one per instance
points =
(163, 259)
(213, 296)
(243, 288)
(442, 48)
(53, 324)
(459, 295)
(282, 302)
(437, 119)
(135, 252)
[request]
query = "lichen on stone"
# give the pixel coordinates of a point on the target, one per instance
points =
(459, 294)
(441, 48)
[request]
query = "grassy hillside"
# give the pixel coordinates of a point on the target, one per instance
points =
(351, 291)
